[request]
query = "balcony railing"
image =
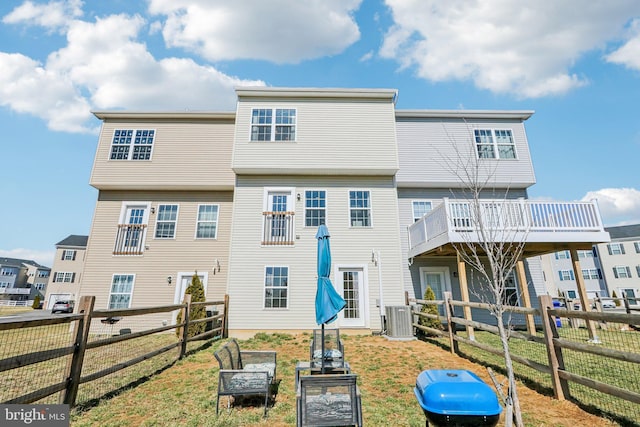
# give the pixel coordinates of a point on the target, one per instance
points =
(130, 239)
(277, 229)
(502, 219)
(15, 291)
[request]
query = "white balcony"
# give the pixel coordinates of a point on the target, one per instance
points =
(543, 226)
(15, 291)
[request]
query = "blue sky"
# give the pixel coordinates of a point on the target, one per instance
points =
(576, 63)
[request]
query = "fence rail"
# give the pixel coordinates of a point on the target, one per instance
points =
(601, 372)
(75, 350)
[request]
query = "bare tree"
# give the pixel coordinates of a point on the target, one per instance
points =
(494, 230)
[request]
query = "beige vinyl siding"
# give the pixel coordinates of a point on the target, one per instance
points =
(73, 266)
(162, 257)
(435, 152)
(340, 137)
(349, 246)
(192, 155)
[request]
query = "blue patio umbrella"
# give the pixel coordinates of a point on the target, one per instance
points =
(328, 301)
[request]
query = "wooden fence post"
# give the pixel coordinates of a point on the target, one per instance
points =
(453, 344)
(556, 361)
(184, 331)
(225, 319)
(73, 371)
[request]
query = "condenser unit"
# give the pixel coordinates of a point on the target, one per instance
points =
(399, 321)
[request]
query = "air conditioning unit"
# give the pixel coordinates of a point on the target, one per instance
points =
(399, 321)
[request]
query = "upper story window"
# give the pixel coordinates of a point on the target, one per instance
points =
(563, 255)
(591, 273)
(622, 272)
(566, 275)
(43, 274)
(68, 255)
(64, 277)
(8, 271)
(140, 139)
(420, 208)
(315, 204)
(585, 254)
(616, 249)
(273, 124)
(207, 224)
(166, 221)
(359, 208)
(495, 144)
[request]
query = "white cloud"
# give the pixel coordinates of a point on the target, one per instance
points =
(41, 257)
(617, 205)
(281, 31)
(629, 53)
(52, 15)
(501, 45)
(105, 66)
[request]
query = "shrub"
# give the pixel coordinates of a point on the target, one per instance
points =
(616, 301)
(36, 302)
(429, 295)
(196, 290)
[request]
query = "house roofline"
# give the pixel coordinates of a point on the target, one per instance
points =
(466, 114)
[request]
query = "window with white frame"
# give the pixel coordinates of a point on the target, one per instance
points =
(273, 124)
(8, 271)
(359, 208)
(563, 255)
(43, 274)
(315, 204)
(622, 272)
(4, 285)
(40, 286)
(64, 277)
(207, 224)
(68, 255)
(495, 144)
(510, 295)
(121, 291)
(566, 275)
(166, 221)
(572, 294)
(276, 286)
(590, 273)
(420, 208)
(585, 254)
(616, 248)
(124, 139)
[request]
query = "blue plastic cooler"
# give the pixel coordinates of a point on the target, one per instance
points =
(451, 397)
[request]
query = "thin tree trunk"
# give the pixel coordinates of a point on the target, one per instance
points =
(513, 391)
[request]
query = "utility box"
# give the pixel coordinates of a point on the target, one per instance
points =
(399, 321)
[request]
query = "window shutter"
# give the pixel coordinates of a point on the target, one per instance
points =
(637, 245)
(73, 277)
(571, 275)
(74, 255)
(615, 272)
(622, 248)
(599, 274)
(62, 257)
(556, 254)
(595, 252)
(54, 277)
(560, 274)
(628, 272)
(609, 248)
(638, 270)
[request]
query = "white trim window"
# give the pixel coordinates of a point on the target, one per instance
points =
(68, 255)
(43, 273)
(273, 124)
(590, 273)
(276, 287)
(359, 208)
(166, 221)
(566, 275)
(572, 294)
(64, 277)
(563, 255)
(207, 223)
(621, 272)
(420, 208)
(616, 249)
(585, 254)
(315, 208)
(121, 291)
(495, 143)
(124, 139)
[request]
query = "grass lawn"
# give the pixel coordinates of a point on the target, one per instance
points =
(9, 311)
(184, 395)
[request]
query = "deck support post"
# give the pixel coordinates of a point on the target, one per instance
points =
(526, 299)
(464, 293)
(582, 291)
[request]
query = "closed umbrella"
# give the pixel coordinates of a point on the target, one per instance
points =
(328, 301)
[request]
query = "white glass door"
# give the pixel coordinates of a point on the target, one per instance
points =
(437, 279)
(351, 287)
(279, 203)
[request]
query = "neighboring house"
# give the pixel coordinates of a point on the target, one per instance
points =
(561, 278)
(238, 197)
(21, 280)
(67, 269)
(620, 261)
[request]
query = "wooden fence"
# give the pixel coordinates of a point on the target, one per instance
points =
(83, 339)
(558, 347)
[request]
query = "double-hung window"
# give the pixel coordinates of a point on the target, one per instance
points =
(315, 205)
(166, 221)
(121, 290)
(622, 272)
(273, 124)
(590, 273)
(420, 208)
(64, 277)
(566, 275)
(68, 255)
(124, 139)
(616, 249)
(43, 274)
(585, 254)
(563, 255)
(207, 224)
(495, 143)
(359, 208)
(276, 285)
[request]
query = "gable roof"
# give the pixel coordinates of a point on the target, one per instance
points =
(74, 240)
(18, 262)
(624, 232)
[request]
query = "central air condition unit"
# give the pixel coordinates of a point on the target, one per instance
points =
(399, 321)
